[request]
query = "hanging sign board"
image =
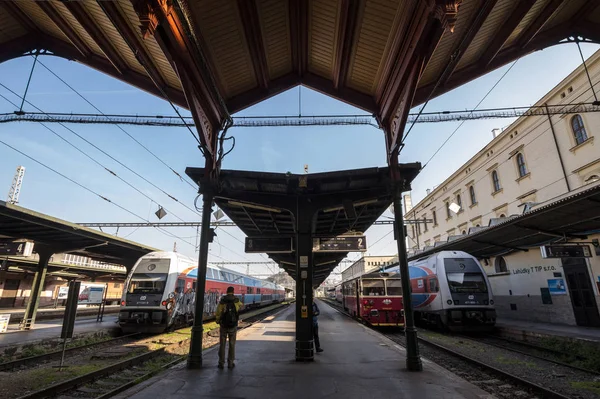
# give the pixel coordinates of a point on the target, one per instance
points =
(340, 244)
(279, 245)
(566, 251)
(16, 248)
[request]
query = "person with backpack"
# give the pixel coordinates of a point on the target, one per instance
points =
(227, 318)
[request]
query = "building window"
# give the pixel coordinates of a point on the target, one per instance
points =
(500, 265)
(434, 218)
(521, 165)
(472, 193)
(425, 223)
(464, 232)
(459, 201)
(413, 230)
(578, 129)
(496, 181)
(448, 214)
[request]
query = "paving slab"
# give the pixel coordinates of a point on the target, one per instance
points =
(357, 362)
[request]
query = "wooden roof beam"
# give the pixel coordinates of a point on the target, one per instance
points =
(81, 15)
(65, 27)
(507, 28)
(299, 35)
(111, 9)
(251, 24)
(538, 23)
(345, 39)
(18, 14)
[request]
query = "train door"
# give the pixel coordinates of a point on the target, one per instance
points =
(581, 292)
(9, 294)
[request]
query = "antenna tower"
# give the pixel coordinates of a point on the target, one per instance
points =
(15, 187)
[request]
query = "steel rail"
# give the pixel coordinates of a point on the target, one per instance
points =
(75, 382)
(10, 365)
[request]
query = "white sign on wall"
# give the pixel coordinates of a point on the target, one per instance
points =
(89, 293)
(4, 320)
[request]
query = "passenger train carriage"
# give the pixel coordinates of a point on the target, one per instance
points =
(375, 298)
(160, 292)
(451, 290)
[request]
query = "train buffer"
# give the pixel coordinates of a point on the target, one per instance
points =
(356, 363)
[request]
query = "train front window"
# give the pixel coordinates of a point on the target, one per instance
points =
(394, 287)
(147, 283)
(466, 282)
(373, 287)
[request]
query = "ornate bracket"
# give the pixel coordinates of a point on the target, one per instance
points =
(446, 11)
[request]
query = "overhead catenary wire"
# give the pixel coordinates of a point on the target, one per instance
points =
(120, 128)
(105, 153)
(477, 106)
(101, 165)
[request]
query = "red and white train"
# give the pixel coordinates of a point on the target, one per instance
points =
(374, 297)
(160, 292)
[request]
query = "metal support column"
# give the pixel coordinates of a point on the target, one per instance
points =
(304, 281)
(195, 356)
(413, 360)
(36, 289)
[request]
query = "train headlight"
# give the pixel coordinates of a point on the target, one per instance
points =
(491, 301)
(449, 301)
(122, 303)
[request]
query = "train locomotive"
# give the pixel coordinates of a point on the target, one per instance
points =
(375, 298)
(451, 290)
(160, 292)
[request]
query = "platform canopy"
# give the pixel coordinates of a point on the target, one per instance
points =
(265, 205)
(58, 236)
(218, 57)
(572, 216)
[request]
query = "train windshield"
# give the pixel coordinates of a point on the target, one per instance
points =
(147, 283)
(464, 275)
(466, 282)
(373, 287)
(394, 286)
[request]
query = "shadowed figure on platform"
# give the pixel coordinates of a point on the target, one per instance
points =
(316, 313)
(227, 318)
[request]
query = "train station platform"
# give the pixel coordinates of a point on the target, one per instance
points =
(50, 330)
(521, 328)
(17, 314)
(356, 363)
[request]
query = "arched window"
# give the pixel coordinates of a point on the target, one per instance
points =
(448, 214)
(496, 181)
(464, 232)
(502, 215)
(521, 165)
(434, 218)
(458, 201)
(473, 197)
(578, 129)
(500, 265)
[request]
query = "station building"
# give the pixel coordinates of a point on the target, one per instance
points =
(535, 161)
(16, 279)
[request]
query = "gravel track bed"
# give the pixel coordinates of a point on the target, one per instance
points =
(562, 379)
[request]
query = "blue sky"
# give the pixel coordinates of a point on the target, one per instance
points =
(261, 149)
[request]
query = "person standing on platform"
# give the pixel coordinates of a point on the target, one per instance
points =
(316, 313)
(227, 318)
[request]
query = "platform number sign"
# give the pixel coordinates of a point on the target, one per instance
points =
(340, 244)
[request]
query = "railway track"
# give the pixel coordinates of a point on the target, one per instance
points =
(116, 377)
(499, 370)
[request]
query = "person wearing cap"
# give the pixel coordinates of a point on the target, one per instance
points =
(227, 318)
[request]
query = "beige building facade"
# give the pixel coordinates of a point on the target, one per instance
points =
(535, 160)
(367, 264)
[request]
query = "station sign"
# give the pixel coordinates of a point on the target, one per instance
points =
(566, 251)
(279, 245)
(340, 244)
(16, 248)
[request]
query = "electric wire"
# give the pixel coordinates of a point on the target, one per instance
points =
(105, 153)
(101, 165)
(474, 109)
(120, 128)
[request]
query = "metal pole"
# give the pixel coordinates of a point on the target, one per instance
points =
(62, 359)
(28, 82)
(413, 360)
(195, 356)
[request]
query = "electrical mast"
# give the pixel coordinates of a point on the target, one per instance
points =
(15, 188)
